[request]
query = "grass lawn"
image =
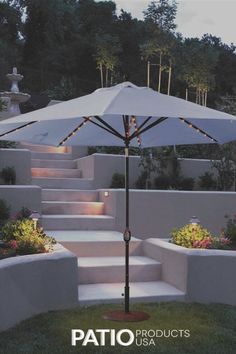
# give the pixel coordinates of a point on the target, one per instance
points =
(212, 329)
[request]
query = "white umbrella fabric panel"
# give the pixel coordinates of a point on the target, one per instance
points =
(52, 125)
(169, 132)
(122, 99)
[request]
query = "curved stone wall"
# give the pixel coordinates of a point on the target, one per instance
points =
(33, 284)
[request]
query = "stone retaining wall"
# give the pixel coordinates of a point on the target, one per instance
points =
(33, 284)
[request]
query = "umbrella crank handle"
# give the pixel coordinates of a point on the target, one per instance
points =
(127, 235)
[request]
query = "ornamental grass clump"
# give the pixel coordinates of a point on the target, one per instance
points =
(195, 236)
(21, 237)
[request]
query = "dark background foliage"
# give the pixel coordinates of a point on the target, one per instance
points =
(59, 46)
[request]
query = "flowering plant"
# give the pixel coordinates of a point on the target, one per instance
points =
(21, 237)
(192, 236)
(195, 236)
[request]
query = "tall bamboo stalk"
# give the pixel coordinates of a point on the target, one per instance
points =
(205, 103)
(107, 73)
(160, 72)
(101, 73)
(169, 79)
(203, 98)
(186, 94)
(148, 74)
(111, 78)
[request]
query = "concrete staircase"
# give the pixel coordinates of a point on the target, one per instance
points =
(101, 269)
(70, 204)
(68, 201)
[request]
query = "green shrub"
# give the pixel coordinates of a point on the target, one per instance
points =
(21, 236)
(186, 184)
(192, 236)
(24, 213)
(207, 182)
(162, 182)
(117, 181)
(4, 211)
(172, 182)
(7, 144)
(8, 175)
(230, 230)
(141, 182)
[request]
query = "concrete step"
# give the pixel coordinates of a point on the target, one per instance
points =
(50, 156)
(69, 195)
(55, 172)
(157, 291)
(78, 222)
(45, 148)
(77, 208)
(63, 183)
(96, 243)
(53, 163)
(93, 270)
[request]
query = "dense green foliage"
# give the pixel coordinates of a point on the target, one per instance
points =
(24, 238)
(8, 174)
(207, 182)
(66, 48)
(117, 181)
(212, 329)
(230, 229)
(4, 211)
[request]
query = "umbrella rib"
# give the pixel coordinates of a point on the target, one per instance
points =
(139, 132)
(108, 130)
(16, 129)
(109, 127)
(86, 119)
(198, 129)
(145, 122)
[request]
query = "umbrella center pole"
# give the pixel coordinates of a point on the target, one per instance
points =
(127, 233)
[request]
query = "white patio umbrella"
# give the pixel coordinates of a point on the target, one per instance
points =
(123, 115)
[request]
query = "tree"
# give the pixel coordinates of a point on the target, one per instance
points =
(224, 164)
(160, 16)
(158, 48)
(108, 48)
(2, 105)
(130, 32)
(44, 50)
(10, 23)
(10, 43)
(61, 43)
(162, 13)
(199, 62)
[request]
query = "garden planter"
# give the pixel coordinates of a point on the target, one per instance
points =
(206, 276)
(37, 283)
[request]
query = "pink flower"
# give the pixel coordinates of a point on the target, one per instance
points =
(13, 244)
(225, 241)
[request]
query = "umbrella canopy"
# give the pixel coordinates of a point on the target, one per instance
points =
(154, 120)
(123, 115)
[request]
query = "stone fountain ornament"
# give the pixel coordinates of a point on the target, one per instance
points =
(16, 97)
